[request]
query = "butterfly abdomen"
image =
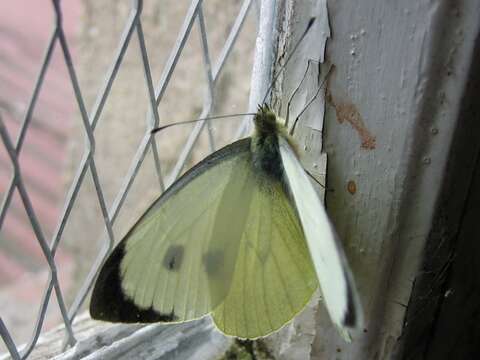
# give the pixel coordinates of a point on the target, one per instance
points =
(265, 149)
(266, 156)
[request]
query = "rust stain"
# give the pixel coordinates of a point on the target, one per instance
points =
(347, 112)
(352, 187)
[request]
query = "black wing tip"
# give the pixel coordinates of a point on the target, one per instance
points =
(135, 315)
(350, 318)
(110, 303)
(138, 315)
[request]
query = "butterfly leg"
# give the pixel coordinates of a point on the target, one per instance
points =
(312, 99)
(313, 178)
(310, 61)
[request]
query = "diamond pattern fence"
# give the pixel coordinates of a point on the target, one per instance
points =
(87, 167)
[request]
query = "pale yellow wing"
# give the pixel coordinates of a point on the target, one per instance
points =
(177, 262)
(274, 278)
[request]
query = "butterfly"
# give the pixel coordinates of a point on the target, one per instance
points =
(242, 236)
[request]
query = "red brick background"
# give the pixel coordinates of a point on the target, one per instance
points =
(25, 28)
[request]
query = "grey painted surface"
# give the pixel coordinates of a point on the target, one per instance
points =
(394, 99)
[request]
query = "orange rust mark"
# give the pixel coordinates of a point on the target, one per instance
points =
(347, 112)
(352, 187)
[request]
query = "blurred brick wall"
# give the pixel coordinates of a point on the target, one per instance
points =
(25, 28)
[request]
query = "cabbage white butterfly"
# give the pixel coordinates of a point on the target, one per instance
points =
(241, 236)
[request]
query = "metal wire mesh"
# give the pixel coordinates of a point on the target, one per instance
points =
(87, 165)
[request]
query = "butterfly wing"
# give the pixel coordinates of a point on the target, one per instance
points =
(224, 239)
(274, 277)
(336, 282)
(177, 262)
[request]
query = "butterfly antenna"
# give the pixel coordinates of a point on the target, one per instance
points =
(160, 128)
(275, 78)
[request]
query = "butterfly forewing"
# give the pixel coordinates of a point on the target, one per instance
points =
(332, 270)
(177, 262)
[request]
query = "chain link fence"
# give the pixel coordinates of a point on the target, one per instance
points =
(87, 169)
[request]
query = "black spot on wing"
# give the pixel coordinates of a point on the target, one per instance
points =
(174, 257)
(110, 303)
(213, 262)
(350, 317)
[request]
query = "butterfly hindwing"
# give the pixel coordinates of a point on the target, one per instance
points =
(339, 293)
(177, 262)
(274, 277)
